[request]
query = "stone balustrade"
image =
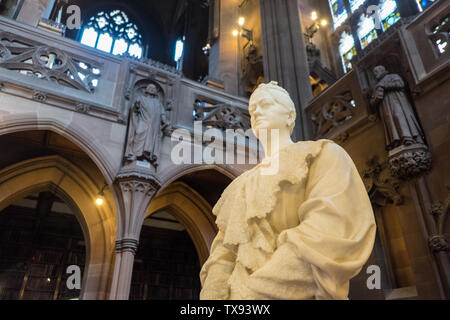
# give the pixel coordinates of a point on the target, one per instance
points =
(72, 76)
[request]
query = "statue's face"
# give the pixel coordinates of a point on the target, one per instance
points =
(266, 113)
(379, 72)
(151, 89)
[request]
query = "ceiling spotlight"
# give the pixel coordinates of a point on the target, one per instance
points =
(324, 23)
(235, 32)
(314, 15)
(241, 21)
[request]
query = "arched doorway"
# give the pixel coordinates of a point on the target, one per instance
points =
(40, 238)
(166, 265)
(43, 161)
(176, 237)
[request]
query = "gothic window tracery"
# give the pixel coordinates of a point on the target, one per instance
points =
(355, 4)
(366, 31)
(347, 49)
(356, 27)
(113, 32)
(338, 12)
(389, 13)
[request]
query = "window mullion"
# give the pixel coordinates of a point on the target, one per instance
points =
(112, 45)
(354, 30)
(98, 38)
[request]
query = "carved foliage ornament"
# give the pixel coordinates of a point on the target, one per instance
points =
(45, 62)
(381, 187)
(137, 187)
(222, 116)
(39, 96)
(410, 163)
(334, 113)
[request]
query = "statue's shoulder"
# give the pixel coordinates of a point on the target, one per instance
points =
(309, 147)
(393, 77)
(312, 150)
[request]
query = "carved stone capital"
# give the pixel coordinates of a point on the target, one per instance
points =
(135, 191)
(407, 162)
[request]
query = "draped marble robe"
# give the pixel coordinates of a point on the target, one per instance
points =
(300, 234)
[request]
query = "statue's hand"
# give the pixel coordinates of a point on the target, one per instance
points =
(137, 107)
(379, 93)
(378, 96)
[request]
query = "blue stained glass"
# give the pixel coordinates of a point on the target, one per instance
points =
(389, 13)
(338, 11)
(424, 3)
(340, 7)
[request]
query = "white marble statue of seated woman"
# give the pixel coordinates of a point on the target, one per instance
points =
(300, 233)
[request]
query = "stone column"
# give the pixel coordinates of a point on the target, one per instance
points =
(135, 190)
(31, 11)
(224, 53)
(285, 57)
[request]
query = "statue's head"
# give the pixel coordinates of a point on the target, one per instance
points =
(379, 72)
(151, 90)
(271, 107)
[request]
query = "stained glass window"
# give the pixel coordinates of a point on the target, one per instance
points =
(422, 4)
(366, 31)
(355, 4)
(114, 33)
(338, 12)
(389, 13)
(347, 49)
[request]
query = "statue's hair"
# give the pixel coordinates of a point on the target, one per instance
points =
(284, 99)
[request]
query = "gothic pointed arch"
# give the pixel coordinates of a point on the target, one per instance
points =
(78, 190)
(194, 212)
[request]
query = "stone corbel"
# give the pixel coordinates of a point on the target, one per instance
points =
(136, 191)
(407, 162)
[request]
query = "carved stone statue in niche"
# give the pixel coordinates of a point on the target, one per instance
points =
(400, 123)
(408, 154)
(148, 121)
